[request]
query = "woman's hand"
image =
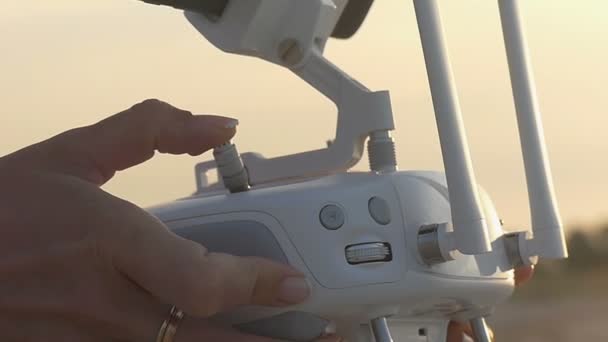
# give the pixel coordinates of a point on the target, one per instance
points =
(78, 264)
(457, 331)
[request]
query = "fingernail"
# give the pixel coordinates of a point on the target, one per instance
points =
(220, 122)
(231, 123)
(293, 290)
(467, 338)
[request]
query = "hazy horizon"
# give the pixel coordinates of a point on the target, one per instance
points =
(71, 63)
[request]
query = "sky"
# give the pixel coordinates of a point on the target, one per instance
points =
(68, 63)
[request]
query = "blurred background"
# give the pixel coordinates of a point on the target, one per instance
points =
(68, 63)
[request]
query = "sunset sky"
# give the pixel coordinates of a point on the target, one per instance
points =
(67, 63)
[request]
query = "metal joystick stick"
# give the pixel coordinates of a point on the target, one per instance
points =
(380, 330)
(231, 168)
(481, 332)
(381, 150)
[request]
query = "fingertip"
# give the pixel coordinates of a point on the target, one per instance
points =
(277, 284)
(231, 123)
(523, 274)
(293, 290)
(207, 131)
(221, 122)
(456, 332)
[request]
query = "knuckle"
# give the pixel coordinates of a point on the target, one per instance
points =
(148, 104)
(171, 133)
(213, 291)
(157, 115)
(175, 123)
(213, 278)
(145, 108)
(119, 238)
(210, 307)
(148, 111)
(197, 247)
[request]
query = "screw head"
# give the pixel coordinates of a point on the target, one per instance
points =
(290, 52)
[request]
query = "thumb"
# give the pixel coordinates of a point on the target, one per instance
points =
(183, 273)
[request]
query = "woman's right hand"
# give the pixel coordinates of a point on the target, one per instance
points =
(78, 264)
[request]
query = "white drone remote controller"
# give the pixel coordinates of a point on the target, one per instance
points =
(380, 249)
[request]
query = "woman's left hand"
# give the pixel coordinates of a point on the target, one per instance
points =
(457, 331)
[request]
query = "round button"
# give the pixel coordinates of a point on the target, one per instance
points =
(332, 217)
(379, 210)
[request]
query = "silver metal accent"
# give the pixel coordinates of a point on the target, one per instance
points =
(380, 330)
(514, 242)
(512, 249)
(381, 152)
(332, 217)
(429, 246)
(368, 252)
(481, 332)
(231, 168)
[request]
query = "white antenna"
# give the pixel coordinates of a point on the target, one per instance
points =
(548, 235)
(470, 231)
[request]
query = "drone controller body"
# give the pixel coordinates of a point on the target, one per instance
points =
(354, 236)
(380, 248)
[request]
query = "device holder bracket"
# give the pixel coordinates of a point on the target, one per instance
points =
(293, 34)
(360, 113)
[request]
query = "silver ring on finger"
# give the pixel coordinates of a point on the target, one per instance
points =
(168, 329)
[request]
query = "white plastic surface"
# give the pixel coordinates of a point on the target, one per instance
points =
(403, 288)
(360, 112)
(257, 27)
(401, 330)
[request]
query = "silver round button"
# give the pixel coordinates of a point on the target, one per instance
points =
(331, 217)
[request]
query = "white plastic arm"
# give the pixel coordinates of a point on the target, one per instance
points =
(360, 112)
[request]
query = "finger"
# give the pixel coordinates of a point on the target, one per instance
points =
(131, 137)
(134, 315)
(192, 329)
(96, 152)
(189, 329)
(182, 273)
(40, 327)
(468, 331)
(523, 274)
(455, 332)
